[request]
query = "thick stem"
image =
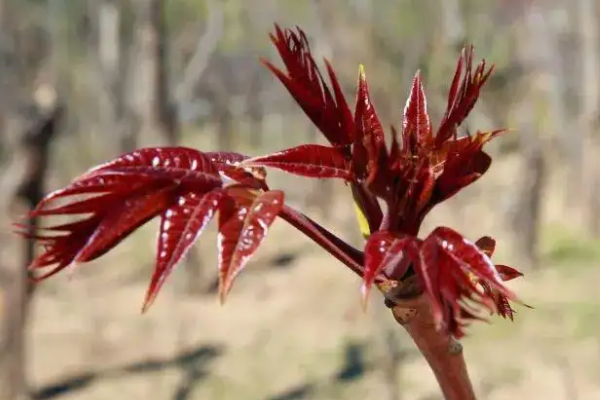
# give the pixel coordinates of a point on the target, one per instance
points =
(350, 256)
(443, 353)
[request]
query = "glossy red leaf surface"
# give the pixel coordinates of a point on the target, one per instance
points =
(225, 157)
(325, 107)
(123, 218)
(310, 160)
(60, 250)
(460, 170)
(508, 273)
(503, 307)
(369, 147)
(384, 251)
(120, 196)
(453, 270)
(85, 206)
(469, 256)
(181, 164)
(180, 226)
(112, 217)
(416, 126)
(463, 94)
(105, 184)
(229, 166)
(487, 245)
(243, 225)
(422, 189)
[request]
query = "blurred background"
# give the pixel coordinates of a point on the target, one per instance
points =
(83, 81)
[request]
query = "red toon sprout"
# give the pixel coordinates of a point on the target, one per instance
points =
(420, 168)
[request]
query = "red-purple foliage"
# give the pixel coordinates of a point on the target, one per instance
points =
(419, 169)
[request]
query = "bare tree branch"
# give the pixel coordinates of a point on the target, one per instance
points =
(205, 47)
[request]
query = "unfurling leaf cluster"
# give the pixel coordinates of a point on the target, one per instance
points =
(393, 186)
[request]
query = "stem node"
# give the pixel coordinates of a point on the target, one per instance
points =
(443, 352)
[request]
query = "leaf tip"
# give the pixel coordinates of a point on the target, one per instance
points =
(224, 286)
(361, 72)
(71, 268)
(222, 297)
(146, 306)
(149, 300)
(365, 291)
(417, 77)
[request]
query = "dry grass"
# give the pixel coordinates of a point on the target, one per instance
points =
(283, 330)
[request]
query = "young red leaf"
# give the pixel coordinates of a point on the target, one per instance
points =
(455, 292)
(105, 184)
(507, 273)
(430, 267)
(159, 158)
(460, 162)
(243, 225)
(228, 164)
(60, 249)
(451, 267)
(305, 83)
(112, 219)
(121, 196)
(370, 138)
(181, 225)
(416, 126)
(88, 205)
(487, 245)
(460, 170)
(310, 160)
(422, 188)
(343, 110)
(463, 94)
(187, 166)
(453, 91)
(470, 257)
(252, 178)
(384, 251)
(125, 217)
(503, 307)
(225, 157)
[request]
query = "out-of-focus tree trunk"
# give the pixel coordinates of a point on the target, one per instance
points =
(156, 108)
(256, 112)
(206, 45)
(589, 175)
(23, 181)
(31, 158)
(453, 23)
(6, 56)
(150, 85)
(114, 72)
(540, 117)
(224, 116)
